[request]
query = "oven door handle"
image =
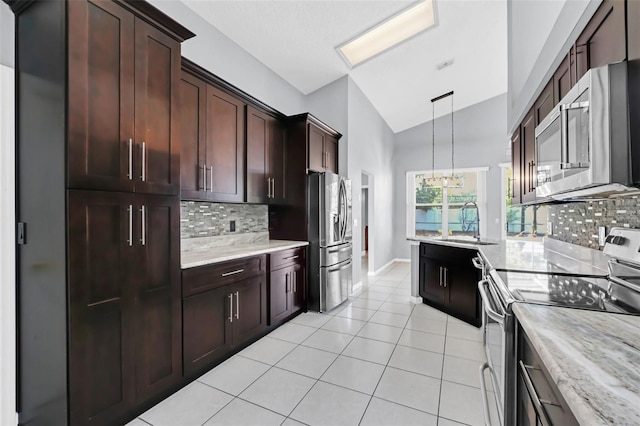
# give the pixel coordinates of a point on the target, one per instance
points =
(494, 315)
(483, 390)
(477, 262)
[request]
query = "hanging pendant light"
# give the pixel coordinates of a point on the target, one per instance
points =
(449, 179)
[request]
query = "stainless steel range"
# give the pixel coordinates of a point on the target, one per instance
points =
(617, 292)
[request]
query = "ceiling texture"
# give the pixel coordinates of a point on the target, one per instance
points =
(297, 39)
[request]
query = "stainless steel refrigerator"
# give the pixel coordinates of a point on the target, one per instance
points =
(330, 241)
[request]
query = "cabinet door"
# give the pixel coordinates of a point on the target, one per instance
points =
(158, 294)
(207, 329)
(317, 158)
(516, 168)
(101, 95)
(101, 342)
(193, 104)
(603, 41)
(431, 276)
(298, 297)
(461, 281)
(331, 151)
(562, 81)
(280, 301)
(544, 104)
(157, 136)
(277, 163)
(249, 309)
(257, 156)
(527, 135)
(225, 146)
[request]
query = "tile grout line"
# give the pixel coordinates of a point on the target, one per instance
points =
(444, 351)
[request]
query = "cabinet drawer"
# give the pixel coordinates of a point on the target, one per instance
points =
(283, 258)
(197, 280)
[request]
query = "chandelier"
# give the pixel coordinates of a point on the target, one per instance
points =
(449, 179)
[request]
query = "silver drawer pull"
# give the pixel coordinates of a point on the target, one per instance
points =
(237, 305)
(143, 174)
(231, 307)
(130, 149)
(237, 271)
(291, 257)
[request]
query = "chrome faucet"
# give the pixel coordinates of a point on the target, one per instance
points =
(472, 203)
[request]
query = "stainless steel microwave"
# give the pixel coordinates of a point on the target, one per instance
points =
(582, 146)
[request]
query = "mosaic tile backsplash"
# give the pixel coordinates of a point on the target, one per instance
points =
(198, 219)
(578, 223)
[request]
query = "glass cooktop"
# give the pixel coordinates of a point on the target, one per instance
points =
(598, 294)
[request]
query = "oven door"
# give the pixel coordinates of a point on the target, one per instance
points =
(495, 346)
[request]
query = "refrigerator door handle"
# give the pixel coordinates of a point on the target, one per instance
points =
(341, 249)
(341, 267)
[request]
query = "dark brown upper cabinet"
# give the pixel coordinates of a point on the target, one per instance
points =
(323, 150)
(123, 93)
(604, 39)
(528, 146)
(213, 152)
(544, 104)
(562, 80)
(265, 158)
(516, 168)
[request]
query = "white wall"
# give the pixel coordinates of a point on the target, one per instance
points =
(480, 141)
(370, 150)
(7, 221)
(214, 51)
(540, 34)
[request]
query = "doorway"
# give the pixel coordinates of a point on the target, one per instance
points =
(366, 237)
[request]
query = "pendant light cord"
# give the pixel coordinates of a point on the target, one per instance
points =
(452, 169)
(433, 133)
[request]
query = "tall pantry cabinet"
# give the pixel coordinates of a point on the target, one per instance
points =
(99, 298)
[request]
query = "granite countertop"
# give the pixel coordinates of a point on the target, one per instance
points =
(545, 255)
(593, 357)
(199, 256)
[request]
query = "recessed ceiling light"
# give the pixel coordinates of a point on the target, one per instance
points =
(389, 33)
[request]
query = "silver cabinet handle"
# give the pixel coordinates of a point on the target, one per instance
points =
(496, 316)
(446, 276)
(143, 216)
(440, 283)
(237, 305)
(130, 149)
(143, 175)
(268, 187)
(537, 404)
(231, 307)
(237, 271)
(211, 174)
(286, 283)
(291, 257)
(483, 390)
(203, 173)
(294, 277)
(273, 187)
(130, 240)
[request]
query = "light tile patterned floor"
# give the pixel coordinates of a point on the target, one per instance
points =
(376, 360)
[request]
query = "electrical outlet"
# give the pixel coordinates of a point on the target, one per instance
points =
(602, 235)
(232, 226)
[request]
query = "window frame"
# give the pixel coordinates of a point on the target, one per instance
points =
(411, 205)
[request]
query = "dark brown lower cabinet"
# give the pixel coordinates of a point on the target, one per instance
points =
(218, 321)
(125, 305)
(538, 400)
(287, 284)
(449, 281)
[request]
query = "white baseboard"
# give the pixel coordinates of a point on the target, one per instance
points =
(416, 300)
(386, 265)
(401, 259)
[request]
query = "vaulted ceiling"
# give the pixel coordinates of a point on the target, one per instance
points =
(298, 39)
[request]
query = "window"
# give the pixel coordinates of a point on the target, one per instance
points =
(434, 203)
(522, 222)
